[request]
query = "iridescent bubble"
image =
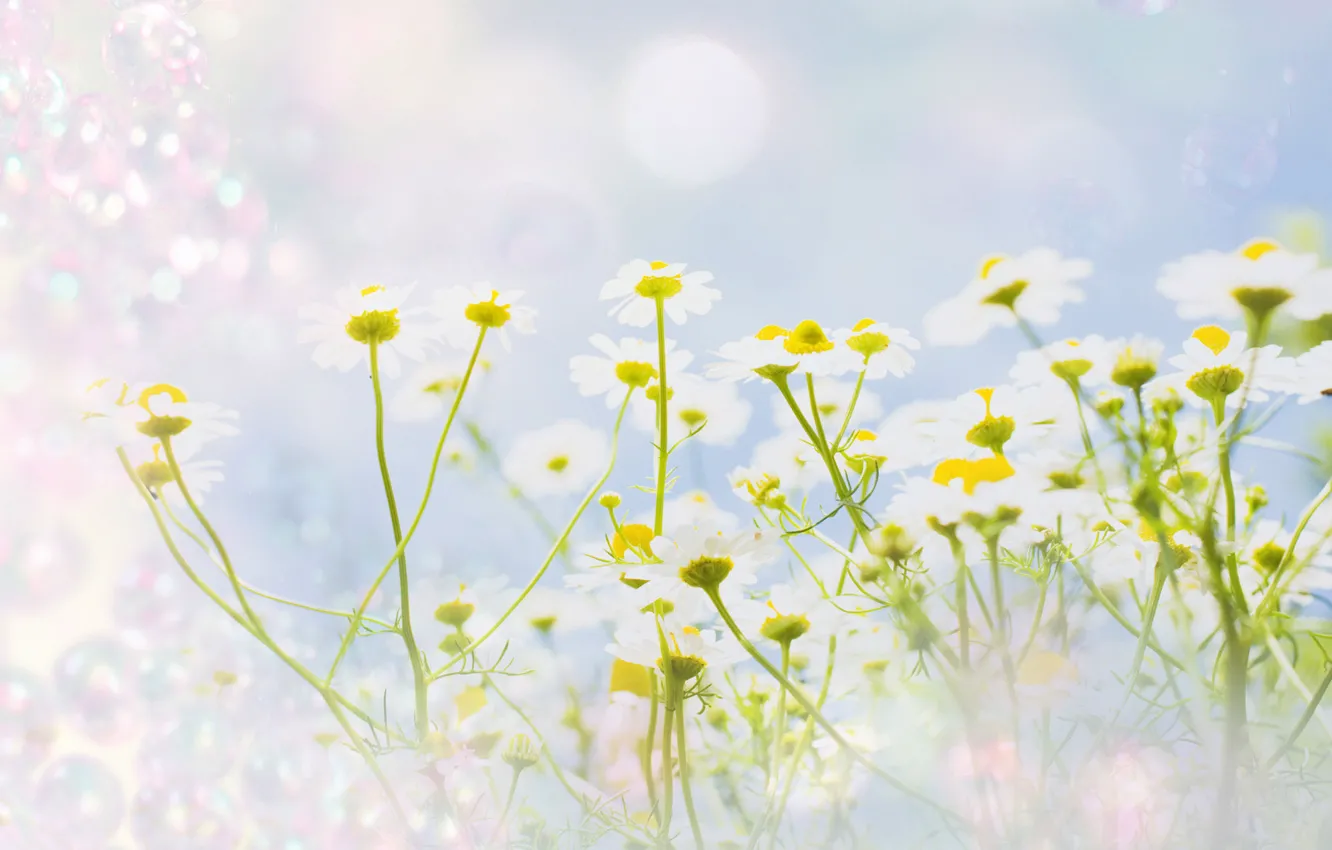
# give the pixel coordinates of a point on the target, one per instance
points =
(40, 568)
(277, 835)
(284, 773)
(25, 27)
(165, 678)
(1138, 7)
(79, 800)
(30, 95)
(152, 600)
(87, 152)
(189, 817)
(197, 743)
(27, 723)
(1231, 157)
(95, 681)
(154, 52)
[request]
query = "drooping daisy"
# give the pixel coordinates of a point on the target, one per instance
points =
(714, 406)
(162, 410)
(342, 333)
(557, 460)
(776, 352)
(639, 283)
(834, 398)
(1087, 360)
(1216, 365)
(1033, 287)
(428, 391)
(1312, 378)
(628, 364)
(1259, 278)
(461, 310)
(883, 349)
(703, 557)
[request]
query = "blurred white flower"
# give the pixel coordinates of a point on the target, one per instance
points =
(1034, 286)
(791, 459)
(696, 403)
(163, 410)
(342, 332)
(639, 283)
(698, 556)
(1088, 360)
(1260, 277)
(1312, 377)
(1217, 364)
(630, 363)
(775, 350)
(882, 349)
(462, 310)
(429, 390)
(557, 460)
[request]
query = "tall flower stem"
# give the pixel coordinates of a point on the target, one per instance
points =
(960, 602)
(404, 586)
(779, 726)
(1273, 596)
(685, 793)
(667, 769)
(663, 443)
(420, 512)
(650, 744)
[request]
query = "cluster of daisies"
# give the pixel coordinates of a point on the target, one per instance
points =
(935, 594)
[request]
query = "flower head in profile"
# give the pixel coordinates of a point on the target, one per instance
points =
(199, 475)
(626, 365)
(882, 349)
(640, 284)
(692, 651)
(703, 557)
(776, 352)
(1087, 361)
(162, 411)
(344, 331)
(1258, 279)
(463, 311)
(1219, 366)
(1033, 287)
(557, 460)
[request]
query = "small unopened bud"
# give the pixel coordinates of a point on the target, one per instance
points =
(521, 754)
(609, 499)
(455, 613)
(1109, 404)
(784, 628)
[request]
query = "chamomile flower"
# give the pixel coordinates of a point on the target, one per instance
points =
(776, 352)
(883, 349)
(1088, 361)
(1034, 287)
(639, 284)
(961, 491)
(692, 651)
(995, 419)
(1257, 279)
(696, 403)
(1216, 365)
(703, 557)
(428, 391)
(1136, 361)
(697, 508)
(628, 364)
(462, 310)
(342, 333)
(557, 460)
(791, 612)
(163, 411)
(1312, 377)
(199, 475)
(790, 459)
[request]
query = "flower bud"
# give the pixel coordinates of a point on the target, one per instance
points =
(520, 755)
(609, 500)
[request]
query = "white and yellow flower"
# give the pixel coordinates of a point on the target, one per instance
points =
(557, 460)
(698, 649)
(696, 403)
(882, 349)
(199, 475)
(1034, 287)
(163, 410)
(697, 508)
(1258, 279)
(776, 351)
(342, 333)
(700, 556)
(628, 364)
(1217, 365)
(1312, 377)
(789, 458)
(429, 390)
(639, 284)
(1088, 361)
(463, 311)
(791, 612)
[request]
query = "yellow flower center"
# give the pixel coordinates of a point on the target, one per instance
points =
(807, 338)
(488, 314)
(988, 264)
(1213, 337)
(706, 572)
(692, 418)
(1258, 248)
(558, 463)
(635, 373)
(658, 286)
(631, 534)
(371, 290)
(174, 393)
(771, 332)
(783, 628)
(157, 426)
(972, 472)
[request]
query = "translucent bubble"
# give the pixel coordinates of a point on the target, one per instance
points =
(197, 743)
(30, 95)
(152, 599)
(197, 817)
(1231, 158)
(154, 52)
(283, 773)
(95, 682)
(87, 152)
(79, 799)
(26, 27)
(27, 725)
(39, 568)
(1139, 7)
(164, 678)
(179, 148)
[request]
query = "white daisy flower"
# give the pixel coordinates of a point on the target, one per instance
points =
(463, 309)
(428, 391)
(695, 403)
(642, 645)
(639, 283)
(697, 508)
(997, 419)
(1312, 378)
(1033, 286)
(628, 364)
(342, 332)
(1216, 364)
(791, 612)
(162, 410)
(883, 349)
(699, 556)
(834, 397)
(199, 475)
(1259, 278)
(557, 460)
(1087, 360)
(961, 487)
(776, 351)
(790, 459)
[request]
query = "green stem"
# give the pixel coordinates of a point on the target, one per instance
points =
(802, 746)
(369, 759)
(554, 549)
(1035, 622)
(685, 792)
(404, 586)
(1288, 670)
(667, 769)
(508, 803)
(1001, 635)
(1309, 711)
(810, 709)
(850, 409)
(663, 443)
(1228, 485)
(779, 728)
(650, 743)
(1113, 611)
(1160, 573)
(843, 495)
(420, 512)
(960, 602)
(212, 534)
(1273, 595)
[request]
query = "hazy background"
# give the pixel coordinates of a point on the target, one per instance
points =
(834, 161)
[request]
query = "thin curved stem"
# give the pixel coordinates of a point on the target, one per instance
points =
(685, 792)
(663, 398)
(420, 512)
(1273, 595)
